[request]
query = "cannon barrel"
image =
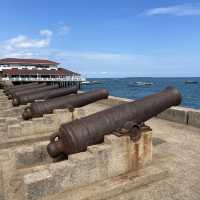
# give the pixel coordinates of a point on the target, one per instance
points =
(37, 109)
(23, 89)
(8, 87)
(34, 90)
(75, 136)
(43, 95)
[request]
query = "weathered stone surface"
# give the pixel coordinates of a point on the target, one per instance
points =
(27, 128)
(112, 187)
(176, 114)
(173, 174)
(7, 170)
(14, 131)
(36, 185)
(99, 162)
(194, 118)
(31, 155)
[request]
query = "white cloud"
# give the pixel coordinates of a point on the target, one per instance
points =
(24, 42)
(177, 10)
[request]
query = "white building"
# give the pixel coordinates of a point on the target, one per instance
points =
(35, 70)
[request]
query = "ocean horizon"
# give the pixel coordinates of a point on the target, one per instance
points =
(127, 87)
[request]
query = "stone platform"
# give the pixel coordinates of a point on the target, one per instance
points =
(172, 175)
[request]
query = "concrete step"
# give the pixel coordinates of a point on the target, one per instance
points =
(113, 187)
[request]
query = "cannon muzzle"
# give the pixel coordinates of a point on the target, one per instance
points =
(37, 109)
(76, 136)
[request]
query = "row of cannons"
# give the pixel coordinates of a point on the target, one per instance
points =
(75, 136)
(71, 139)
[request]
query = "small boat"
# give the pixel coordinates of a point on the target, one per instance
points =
(140, 84)
(96, 82)
(85, 82)
(191, 82)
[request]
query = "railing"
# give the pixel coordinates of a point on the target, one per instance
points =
(69, 78)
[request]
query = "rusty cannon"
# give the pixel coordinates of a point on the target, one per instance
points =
(12, 92)
(8, 87)
(34, 90)
(43, 95)
(9, 90)
(37, 109)
(76, 136)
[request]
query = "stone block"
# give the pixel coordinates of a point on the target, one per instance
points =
(118, 157)
(194, 118)
(7, 113)
(32, 155)
(62, 174)
(37, 185)
(27, 128)
(5, 105)
(24, 156)
(39, 125)
(7, 171)
(40, 152)
(11, 121)
(51, 122)
(175, 114)
(14, 131)
(147, 157)
(79, 113)
(63, 115)
(85, 170)
(101, 153)
(2, 120)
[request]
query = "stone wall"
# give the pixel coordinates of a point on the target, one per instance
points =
(16, 130)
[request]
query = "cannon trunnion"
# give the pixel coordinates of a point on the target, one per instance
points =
(37, 109)
(76, 136)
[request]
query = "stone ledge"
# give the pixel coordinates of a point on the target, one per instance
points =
(175, 114)
(109, 188)
(194, 118)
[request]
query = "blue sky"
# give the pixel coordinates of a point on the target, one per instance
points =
(107, 38)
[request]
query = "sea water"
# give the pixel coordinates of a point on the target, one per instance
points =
(126, 87)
